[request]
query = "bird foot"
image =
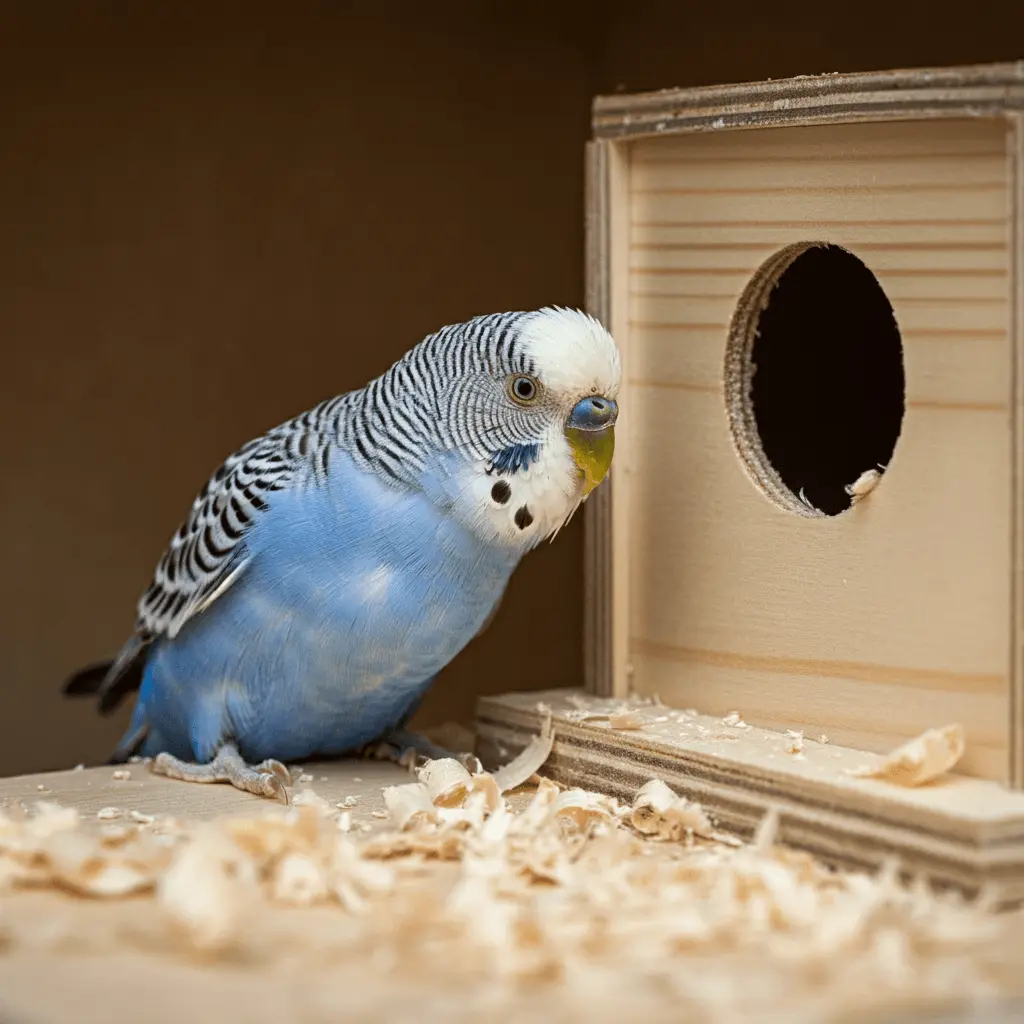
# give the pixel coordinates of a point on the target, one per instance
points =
(406, 748)
(268, 779)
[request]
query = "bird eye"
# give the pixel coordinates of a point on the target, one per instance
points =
(523, 389)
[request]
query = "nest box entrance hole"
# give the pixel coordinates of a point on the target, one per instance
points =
(814, 379)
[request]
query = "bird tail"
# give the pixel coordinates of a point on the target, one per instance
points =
(111, 681)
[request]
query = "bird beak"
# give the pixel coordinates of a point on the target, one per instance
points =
(590, 431)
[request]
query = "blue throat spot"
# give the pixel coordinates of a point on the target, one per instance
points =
(514, 458)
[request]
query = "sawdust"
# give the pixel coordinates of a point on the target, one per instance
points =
(563, 900)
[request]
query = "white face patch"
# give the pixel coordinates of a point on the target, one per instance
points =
(573, 357)
(573, 354)
(520, 509)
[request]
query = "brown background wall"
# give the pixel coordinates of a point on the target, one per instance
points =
(213, 215)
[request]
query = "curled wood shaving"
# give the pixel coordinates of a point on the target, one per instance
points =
(448, 783)
(863, 485)
(921, 760)
(658, 811)
(582, 807)
(410, 806)
(530, 759)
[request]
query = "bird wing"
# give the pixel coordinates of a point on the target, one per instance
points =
(209, 552)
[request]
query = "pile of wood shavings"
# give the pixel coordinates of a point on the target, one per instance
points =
(558, 902)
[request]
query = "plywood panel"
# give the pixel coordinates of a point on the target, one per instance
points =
(873, 624)
(959, 831)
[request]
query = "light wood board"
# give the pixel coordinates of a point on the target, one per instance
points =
(69, 958)
(903, 613)
(92, 789)
(959, 831)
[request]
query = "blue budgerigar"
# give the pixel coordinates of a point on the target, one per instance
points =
(331, 568)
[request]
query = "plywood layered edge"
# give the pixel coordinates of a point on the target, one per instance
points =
(1016, 328)
(978, 91)
(597, 510)
(962, 833)
(605, 629)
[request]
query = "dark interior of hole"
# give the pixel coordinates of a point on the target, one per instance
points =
(828, 384)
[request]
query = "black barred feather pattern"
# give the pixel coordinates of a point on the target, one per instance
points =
(439, 396)
(208, 551)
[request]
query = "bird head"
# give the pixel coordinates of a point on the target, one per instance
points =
(529, 404)
(574, 386)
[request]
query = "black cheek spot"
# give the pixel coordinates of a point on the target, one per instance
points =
(501, 492)
(523, 518)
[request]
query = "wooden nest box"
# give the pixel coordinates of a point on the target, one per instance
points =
(815, 517)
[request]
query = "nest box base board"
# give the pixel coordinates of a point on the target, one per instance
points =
(958, 832)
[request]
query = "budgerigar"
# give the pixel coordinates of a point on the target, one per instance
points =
(331, 568)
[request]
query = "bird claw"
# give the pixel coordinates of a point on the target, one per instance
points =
(275, 768)
(268, 779)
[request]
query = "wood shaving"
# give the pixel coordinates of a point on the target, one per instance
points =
(795, 741)
(626, 720)
(733, 719)
(310, 798)
(530, 759)
(299, 879)
(447, 781)
(305, 777)
(552, 905)
(921, 760)
(409, 806)
(120, 775)
(208, 889)
(658, 811)
(51, 848)
(863, 485)
(583, 808)
(109, 813)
